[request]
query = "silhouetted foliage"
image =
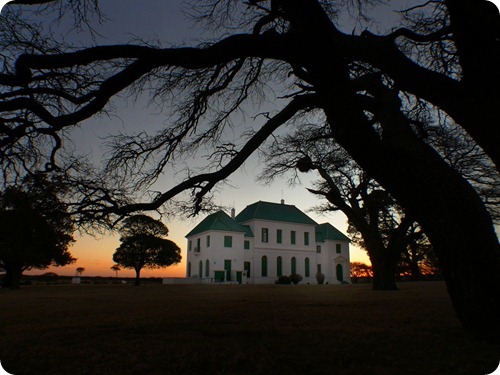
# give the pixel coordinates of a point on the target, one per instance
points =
(143, 245)
(376, 222)
(283, 280)
(295, 278)
(116, 268)
(35, 228)
(297, 55)
(320, 278)
(361, 272)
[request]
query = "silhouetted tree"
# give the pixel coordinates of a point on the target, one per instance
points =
(116, 268)
(376, 223)
(445, 56)
(419, 260)
(360, 270)
(143, 245)
(79, 271)
(35, 229)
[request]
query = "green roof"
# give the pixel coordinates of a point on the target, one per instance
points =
(327, 231)
(275, 212)
(220, 221)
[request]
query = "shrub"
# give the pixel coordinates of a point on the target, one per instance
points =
(295, 278)
(283, 280)
(320, 277)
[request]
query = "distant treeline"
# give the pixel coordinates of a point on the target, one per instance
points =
(362, 273)
(51, 278)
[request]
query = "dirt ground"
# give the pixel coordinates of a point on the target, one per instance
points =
(236, 329)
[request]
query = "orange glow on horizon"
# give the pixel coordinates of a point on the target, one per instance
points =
(95, 255)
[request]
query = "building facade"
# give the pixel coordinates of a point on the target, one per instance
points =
(263, 242)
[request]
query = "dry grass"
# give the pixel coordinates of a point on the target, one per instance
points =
(233, 329)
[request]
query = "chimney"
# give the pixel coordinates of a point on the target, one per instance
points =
(233, 212)
(282, 201)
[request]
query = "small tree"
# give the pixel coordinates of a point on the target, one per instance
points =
(143, 245)
(79, 271)
(116, 268)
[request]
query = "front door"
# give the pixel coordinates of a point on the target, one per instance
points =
(247, 268)
(340, 273)
(227, 268)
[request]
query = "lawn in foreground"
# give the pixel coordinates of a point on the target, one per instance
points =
(236, 329)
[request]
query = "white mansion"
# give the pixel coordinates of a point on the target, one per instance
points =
(265, 241)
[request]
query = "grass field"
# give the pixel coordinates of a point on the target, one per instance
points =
(236, 329)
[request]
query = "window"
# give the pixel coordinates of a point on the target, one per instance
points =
(246, 245)
(200, 269)
(190, 245)
(198, 245)
(293, 236)
(279, 267)
(228, 241)
(319, 268)
(338, 248)
(207, 267)
(294, 265)
(306, 238)
(306, 264)
(189, 268)
(265, 235)
(279, 236)
(208, 241)
(264, 266)
(318, 249)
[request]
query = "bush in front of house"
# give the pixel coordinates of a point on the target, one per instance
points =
(320, 278)
(295, 278)
(283, 280)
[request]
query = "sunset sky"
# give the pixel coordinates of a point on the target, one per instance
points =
(95, 254)
(164, 19)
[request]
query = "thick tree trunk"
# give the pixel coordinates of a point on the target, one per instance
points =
(383, 261)
(384, 273)
(7, 280)
(416, 274)
(137, 281)
(442, 202)
(12, 277)
(454, 218)
(461, 232)
(456, 222)
(476, 32)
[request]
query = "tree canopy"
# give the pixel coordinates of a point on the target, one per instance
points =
(143, 245)
(377, 91)
(35, 229)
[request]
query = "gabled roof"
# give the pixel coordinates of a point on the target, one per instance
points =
(326, 231)
(274, 211)
(220, 221)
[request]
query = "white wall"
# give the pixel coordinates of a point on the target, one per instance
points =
(216, 253)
